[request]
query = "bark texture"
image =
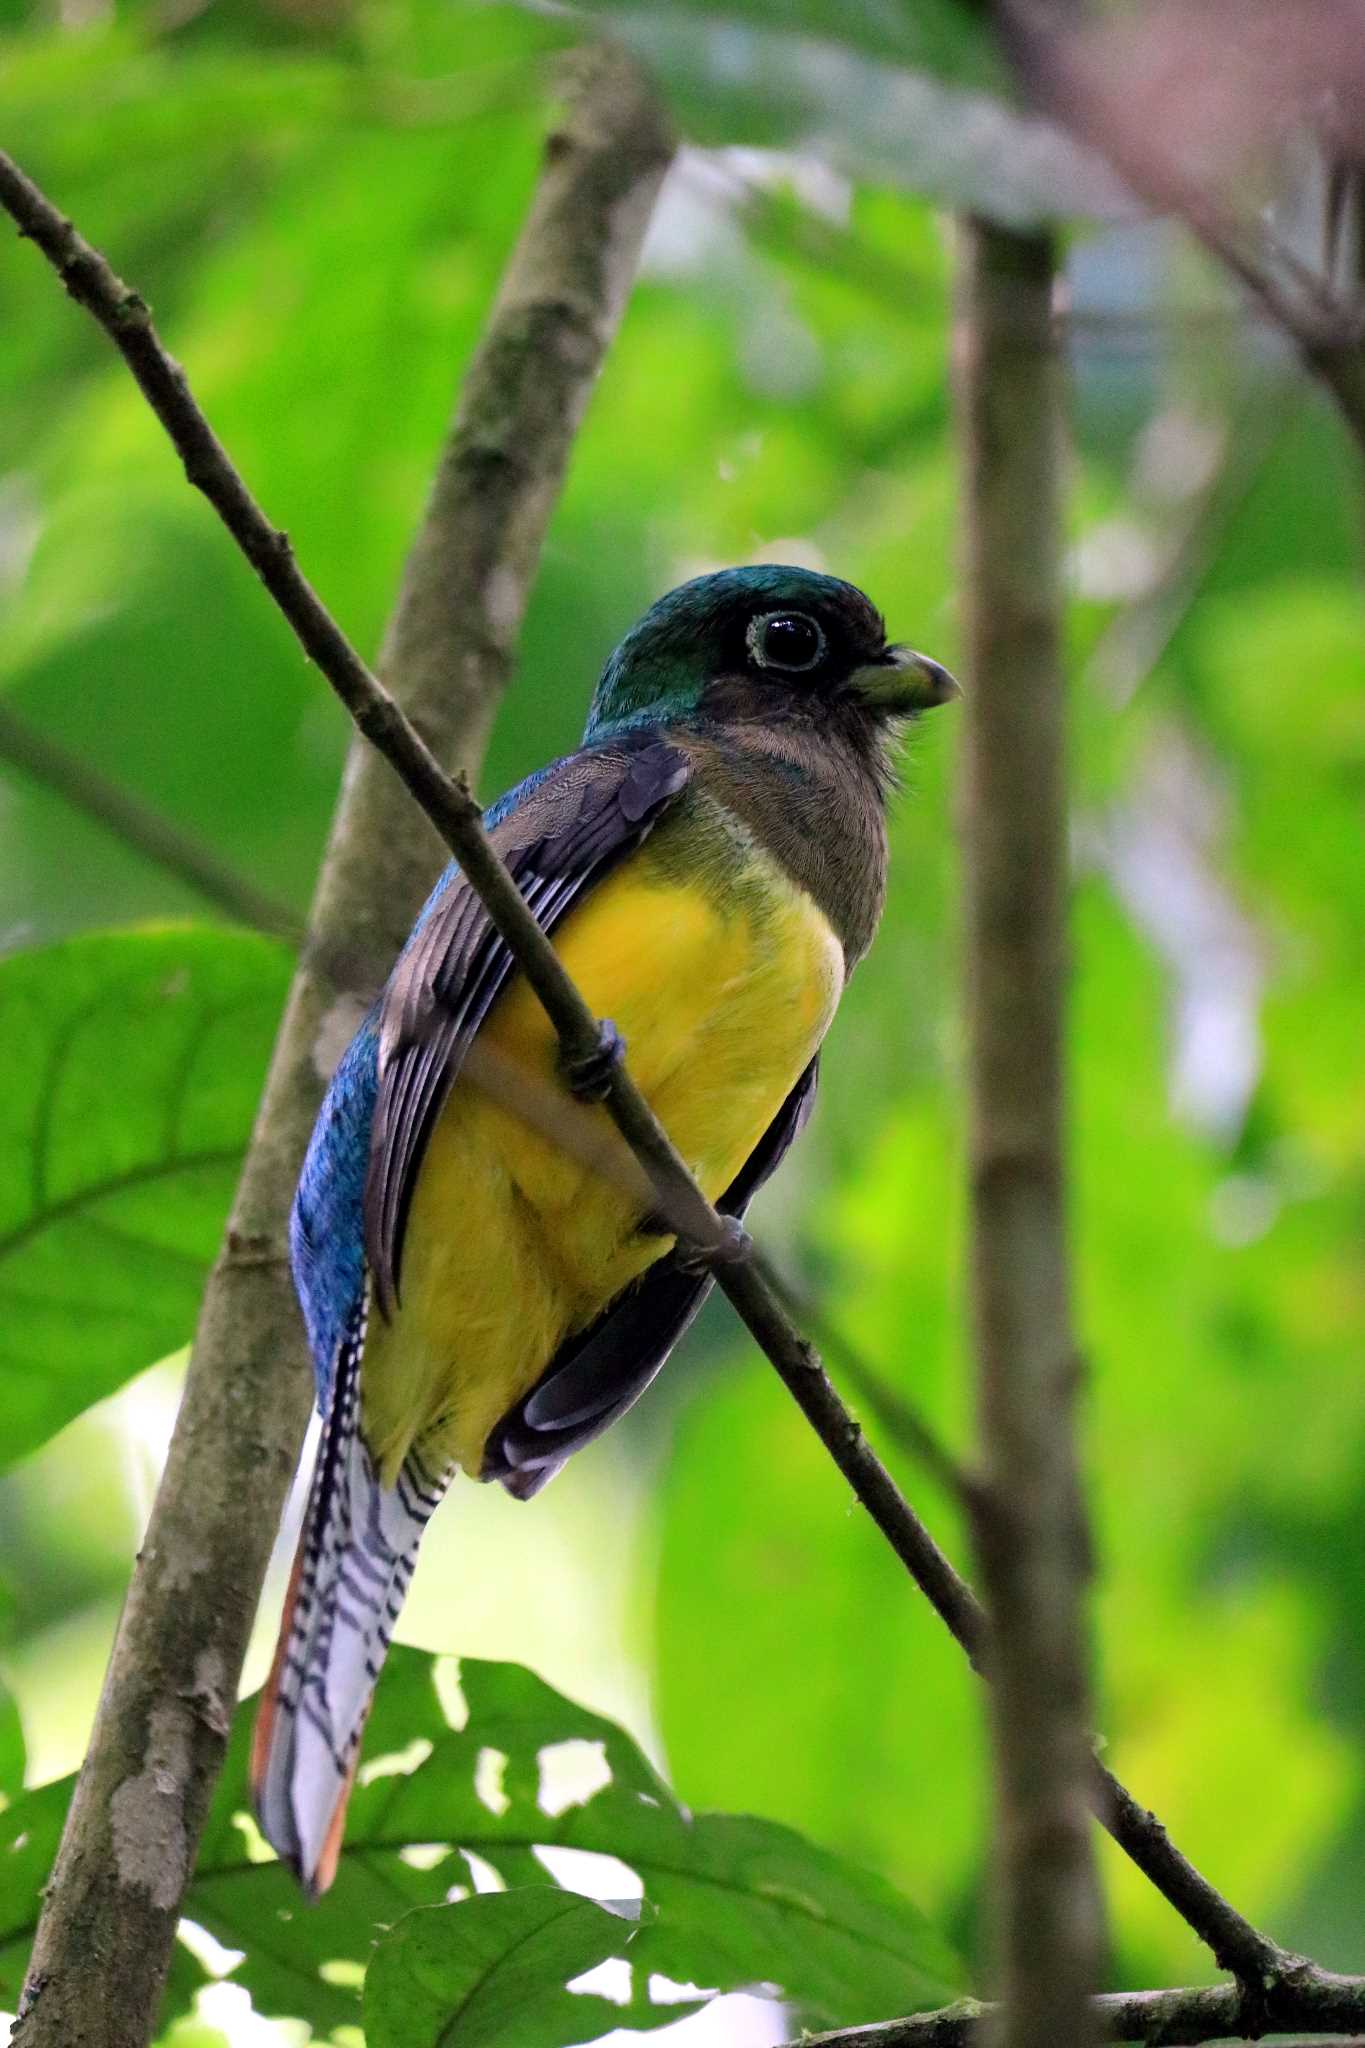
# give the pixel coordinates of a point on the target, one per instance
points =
(1029, 1519)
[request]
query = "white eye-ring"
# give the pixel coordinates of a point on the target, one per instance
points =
(790, 641)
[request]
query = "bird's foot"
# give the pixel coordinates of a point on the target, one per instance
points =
(732, 1248)
(589, 1078)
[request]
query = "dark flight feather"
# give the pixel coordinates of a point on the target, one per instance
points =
(601, 1372)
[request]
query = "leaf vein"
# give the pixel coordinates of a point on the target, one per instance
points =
(136, 1176)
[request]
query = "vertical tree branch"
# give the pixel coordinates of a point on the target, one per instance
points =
(1029, 1522)
(104, 1942)
(449, 646)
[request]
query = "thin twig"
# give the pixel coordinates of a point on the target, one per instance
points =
(1238, 1946)
(1310, 2000)
(112, 1907)
(149, 834)
(447, 803)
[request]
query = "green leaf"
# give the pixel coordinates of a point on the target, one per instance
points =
(493, 1971)
(136, 1062)
(729, 1902)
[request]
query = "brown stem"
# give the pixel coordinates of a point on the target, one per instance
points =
(1029, 1523)
(1309, 2000)
(104, 1939)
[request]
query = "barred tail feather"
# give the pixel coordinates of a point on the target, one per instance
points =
(351, 1574)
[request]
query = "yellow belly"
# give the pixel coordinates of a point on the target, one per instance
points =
(525, 1218)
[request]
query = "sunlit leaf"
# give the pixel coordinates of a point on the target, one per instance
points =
(191, 2033)
(137, 1062)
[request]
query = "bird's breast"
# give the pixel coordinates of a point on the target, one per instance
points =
(722, 977)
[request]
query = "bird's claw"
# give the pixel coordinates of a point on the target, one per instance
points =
(732, 1248)
(589, 1078)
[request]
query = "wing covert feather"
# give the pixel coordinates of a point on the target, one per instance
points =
(572, 827)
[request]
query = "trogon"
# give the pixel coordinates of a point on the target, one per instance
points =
(485, 1282)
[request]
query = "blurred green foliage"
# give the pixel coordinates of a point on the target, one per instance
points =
(316, 197)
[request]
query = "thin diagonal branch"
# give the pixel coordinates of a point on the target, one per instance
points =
(112, 1907)
(447, 803)
(1238, 1946)
(889, 1406)
(142, 828)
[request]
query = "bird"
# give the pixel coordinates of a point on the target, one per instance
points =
(485, 1278)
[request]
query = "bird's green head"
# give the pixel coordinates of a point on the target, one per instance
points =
(767, 642)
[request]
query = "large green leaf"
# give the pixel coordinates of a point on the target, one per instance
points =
(494, 1972)
(30, 1830)
(136, 1062)
(728, 1901)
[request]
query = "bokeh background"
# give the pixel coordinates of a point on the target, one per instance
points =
(316, 197)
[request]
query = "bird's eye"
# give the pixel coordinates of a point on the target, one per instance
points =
(785, 640)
